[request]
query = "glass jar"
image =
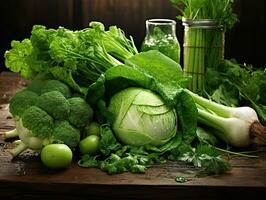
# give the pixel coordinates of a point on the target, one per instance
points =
(161, 36)
(203, 48)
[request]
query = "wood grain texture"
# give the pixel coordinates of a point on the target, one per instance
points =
(26, 178)
(10, 83)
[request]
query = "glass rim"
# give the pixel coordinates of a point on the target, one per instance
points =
(201, 23)
(160, 21)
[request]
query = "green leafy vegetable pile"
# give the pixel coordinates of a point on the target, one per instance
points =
(133, 95)
(77, 58)
(116, 158)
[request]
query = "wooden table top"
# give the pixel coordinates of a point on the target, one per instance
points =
(26, 177)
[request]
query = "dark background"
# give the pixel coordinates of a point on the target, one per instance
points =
(245, 42)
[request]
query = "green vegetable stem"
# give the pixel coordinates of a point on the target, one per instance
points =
(239, 127)
(203, 48)
(205, 23)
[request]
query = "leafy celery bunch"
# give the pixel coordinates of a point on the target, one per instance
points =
(204, 39)
(77, 58)
(220, 11)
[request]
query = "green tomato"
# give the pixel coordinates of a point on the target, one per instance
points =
(56, 156)
(93, 129)
(89, 145)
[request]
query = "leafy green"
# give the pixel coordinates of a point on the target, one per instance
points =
(205, 136)
(205, 22)
(116, 158)
(155, 77)
(204, 157)
(17, 57)
(167, 73)
(141, 117)
(127, 158)
(187, 116)
(108, 142)
(208, 9)
(88, 161)
(210, 161)
(114, 41)
(100, 63)
(77, 58)
(233, 84)
(162, 69)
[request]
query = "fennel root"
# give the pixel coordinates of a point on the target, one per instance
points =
(258, 133)
(239, 127)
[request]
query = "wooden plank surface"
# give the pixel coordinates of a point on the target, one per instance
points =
(25, 176)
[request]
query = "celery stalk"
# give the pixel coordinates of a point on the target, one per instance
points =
(206, 41)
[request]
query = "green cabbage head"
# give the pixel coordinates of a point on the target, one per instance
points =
(142, 118)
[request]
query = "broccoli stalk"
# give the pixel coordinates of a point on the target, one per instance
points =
(33, 127)
(18, 149)
(21, 146)
(10, 134)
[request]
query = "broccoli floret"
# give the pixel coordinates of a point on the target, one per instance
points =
(36, 86)
(33, 128)
(55, 85)
(36, 128)
(43, 86)
(80, 112)
(21, 101)
(38, 122)
(27, 137)
(42, 114)
(65, 133)
(55, 104)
